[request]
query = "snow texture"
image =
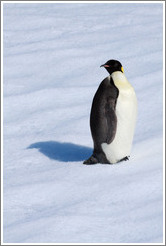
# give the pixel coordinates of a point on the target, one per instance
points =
(52, 57)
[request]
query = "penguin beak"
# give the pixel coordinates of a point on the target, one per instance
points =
(104, 65)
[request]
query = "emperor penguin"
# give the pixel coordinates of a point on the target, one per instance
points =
(113, 117)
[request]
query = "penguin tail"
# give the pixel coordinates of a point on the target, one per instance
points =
(91, 161)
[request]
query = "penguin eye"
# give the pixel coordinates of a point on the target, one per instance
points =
(122, 69)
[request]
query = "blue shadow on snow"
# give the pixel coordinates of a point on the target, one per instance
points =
(62, 151)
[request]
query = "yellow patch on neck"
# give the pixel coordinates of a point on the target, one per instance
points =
(122, 69)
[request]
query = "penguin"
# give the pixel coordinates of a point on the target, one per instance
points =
(113, 117)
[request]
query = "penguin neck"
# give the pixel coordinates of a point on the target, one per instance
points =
(120, 80)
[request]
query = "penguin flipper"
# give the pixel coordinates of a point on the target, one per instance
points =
(111, 120)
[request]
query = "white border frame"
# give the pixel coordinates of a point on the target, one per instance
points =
(2, 3)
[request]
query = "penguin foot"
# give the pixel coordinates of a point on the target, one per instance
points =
(125, 158)
(91, 161)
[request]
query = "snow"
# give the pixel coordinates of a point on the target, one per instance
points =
(52, 58)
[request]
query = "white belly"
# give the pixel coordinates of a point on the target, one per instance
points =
(126, 112)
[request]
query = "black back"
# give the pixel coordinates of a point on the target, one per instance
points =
(103, 120)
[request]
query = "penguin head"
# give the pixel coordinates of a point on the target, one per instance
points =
(113, 66)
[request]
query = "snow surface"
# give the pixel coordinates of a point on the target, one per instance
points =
(52, 58)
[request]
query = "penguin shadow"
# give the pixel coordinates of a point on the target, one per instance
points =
(64, 152)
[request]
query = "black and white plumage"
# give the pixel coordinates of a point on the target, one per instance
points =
(113, 117)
